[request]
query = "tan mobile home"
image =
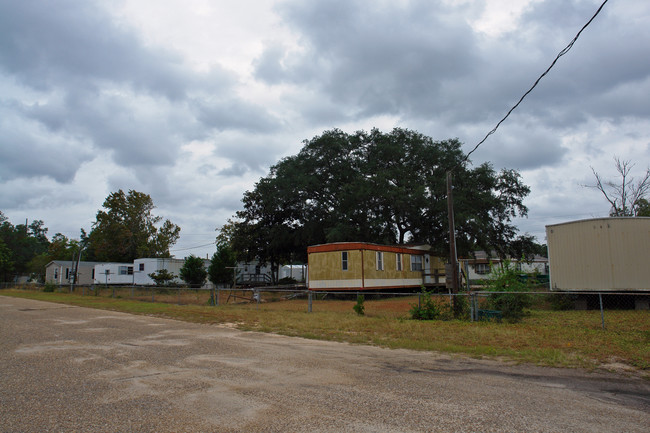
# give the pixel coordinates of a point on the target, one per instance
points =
(365, 266)
(603, 254)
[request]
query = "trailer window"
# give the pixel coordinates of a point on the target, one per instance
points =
(398, 261)
(482, 268)
(344, 260)
(126, 270)
(416, 262)
(380, 261)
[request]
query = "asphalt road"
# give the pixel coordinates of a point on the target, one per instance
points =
(72, 369)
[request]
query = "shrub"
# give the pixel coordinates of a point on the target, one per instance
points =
(505, 279)
(359, 308)
(460, 307)
(287, 281)
(562, 302)
(427, 309)
(49, 287)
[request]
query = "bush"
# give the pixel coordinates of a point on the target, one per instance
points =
(562, 302)
(506, 279)
(427, 309)
(359, 308)
(460, 307)
(286, 281)
(49, 287)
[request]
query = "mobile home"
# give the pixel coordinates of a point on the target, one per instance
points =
(61, 272)
(602, 254)
(143, 267)
(114, 273)
(366, 266)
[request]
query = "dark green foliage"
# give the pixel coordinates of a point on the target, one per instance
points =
(6, 262)
(49, 287)
(162, 277)
(19, 246)
(562, 302)
(460, 307)
(287, 281)
(513, 299)
(193, 271)
(128, 230)
(222, 259)
(359, 307)
(427, 309)
(643, 208)
(377, 187)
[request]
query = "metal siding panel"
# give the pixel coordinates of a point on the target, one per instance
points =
(600, 254)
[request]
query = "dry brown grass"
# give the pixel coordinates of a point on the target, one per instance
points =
(553, 338)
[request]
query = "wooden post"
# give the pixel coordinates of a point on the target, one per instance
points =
(452, 237)
(453, 260)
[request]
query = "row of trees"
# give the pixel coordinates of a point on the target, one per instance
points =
(377, 187)
(24, 247)
(125, 229)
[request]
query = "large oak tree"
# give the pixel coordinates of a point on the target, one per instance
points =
(377, 187)
(127, 229)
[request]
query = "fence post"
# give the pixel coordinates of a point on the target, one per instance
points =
(602, 313)
(471, 306)
(152, 300)
(309, 301)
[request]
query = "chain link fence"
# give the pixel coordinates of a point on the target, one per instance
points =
(605, 310)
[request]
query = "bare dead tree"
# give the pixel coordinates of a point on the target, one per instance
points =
(623, 195)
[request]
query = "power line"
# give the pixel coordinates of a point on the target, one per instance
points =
(192, 248)
(560, 54)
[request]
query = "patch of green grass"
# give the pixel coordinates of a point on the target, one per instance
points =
(550, 338)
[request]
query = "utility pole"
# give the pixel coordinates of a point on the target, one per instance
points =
(453, 261)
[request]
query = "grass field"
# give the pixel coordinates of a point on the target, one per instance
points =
(544, 337)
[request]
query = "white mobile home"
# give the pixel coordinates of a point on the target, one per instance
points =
(481, 265)
(143, 267)
(114, 273)
(253, 273)
(297, 272)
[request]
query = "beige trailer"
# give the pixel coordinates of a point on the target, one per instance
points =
(600, 255)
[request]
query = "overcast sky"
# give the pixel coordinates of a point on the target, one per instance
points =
(191, 101)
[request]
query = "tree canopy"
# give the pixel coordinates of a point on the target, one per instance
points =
(23, 248)
(193, 271)
(127, 229)
(224, 258)
(376, 187)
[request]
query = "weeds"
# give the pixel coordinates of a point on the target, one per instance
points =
(544, 337)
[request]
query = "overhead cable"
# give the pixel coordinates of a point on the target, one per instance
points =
(560, 54)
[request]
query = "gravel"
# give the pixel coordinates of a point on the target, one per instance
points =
(72, 369)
